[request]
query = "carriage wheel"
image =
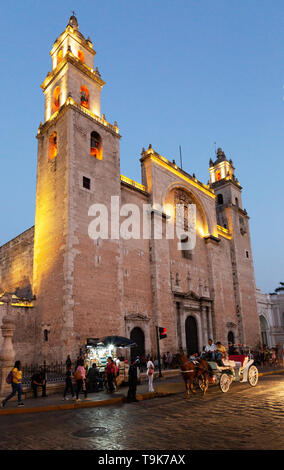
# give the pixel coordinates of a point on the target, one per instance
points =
(252, 376)
(225, 382)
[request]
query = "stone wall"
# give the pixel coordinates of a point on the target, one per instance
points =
(24, 339)
(16, 263)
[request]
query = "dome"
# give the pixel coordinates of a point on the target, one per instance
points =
(73, 22)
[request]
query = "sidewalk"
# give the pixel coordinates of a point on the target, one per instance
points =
(170, 383)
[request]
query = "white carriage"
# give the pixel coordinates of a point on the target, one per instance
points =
(238, 368)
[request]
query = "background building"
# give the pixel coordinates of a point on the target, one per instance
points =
(271, 316)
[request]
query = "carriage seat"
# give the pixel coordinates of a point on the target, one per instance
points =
(228, 362)
(240, 359)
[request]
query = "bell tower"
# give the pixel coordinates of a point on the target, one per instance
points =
(73, 75)
(78, 165)
(232, 216)
(226, 186)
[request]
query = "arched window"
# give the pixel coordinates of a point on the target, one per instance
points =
(218, 175)
(96, 149)
(220, 199)
(84, 96)
(264, 327)
(52, 146)
(59, 56)
(56, 99)
(81, 56)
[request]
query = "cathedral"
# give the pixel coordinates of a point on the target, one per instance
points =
(67, 286)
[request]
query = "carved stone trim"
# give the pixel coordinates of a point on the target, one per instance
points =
(136, 317)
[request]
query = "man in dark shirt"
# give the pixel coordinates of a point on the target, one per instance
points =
(38, 380)
(132, 382)
(93, 379)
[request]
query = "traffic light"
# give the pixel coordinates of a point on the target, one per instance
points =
(162, 332)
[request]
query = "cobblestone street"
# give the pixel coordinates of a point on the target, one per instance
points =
(244, 418)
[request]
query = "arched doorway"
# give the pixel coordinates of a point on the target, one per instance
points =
(264, 330)
(137, 335)
(231, 337)
(191, 335)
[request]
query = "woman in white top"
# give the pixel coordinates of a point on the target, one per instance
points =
(150, 373)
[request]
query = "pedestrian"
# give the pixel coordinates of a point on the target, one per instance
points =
(68, 383)
(170, 359)
(80, 377)
(92, 378)
(143, 362)
(38, 380)
(165, 360)
(150, 373)
(68, 362)
(110, 371)
(16, 385)
(156, 362)
(266, 355)
(132, 382)
(117, 372)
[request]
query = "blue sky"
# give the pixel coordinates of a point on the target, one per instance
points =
(180, 72)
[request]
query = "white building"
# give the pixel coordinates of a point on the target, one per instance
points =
(271, 316)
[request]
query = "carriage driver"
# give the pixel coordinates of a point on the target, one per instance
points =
(209, 350)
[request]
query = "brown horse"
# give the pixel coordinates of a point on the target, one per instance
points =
(191, 371)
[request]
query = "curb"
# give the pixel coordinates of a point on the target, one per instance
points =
(99, 403)
(278, 371)
(86, 404)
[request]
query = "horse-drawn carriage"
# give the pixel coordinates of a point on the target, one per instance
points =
(238, 368)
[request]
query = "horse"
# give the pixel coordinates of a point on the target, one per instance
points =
(191, 371)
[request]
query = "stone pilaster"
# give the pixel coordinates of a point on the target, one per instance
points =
(7, 353)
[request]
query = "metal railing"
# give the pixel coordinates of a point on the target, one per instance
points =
(54, 372)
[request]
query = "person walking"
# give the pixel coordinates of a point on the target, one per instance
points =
(16, 385)
(68, 383)
(80, 377)
(150, 373)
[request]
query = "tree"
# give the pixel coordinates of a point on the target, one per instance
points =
(280, 288)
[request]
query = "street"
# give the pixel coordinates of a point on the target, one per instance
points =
(243, 418)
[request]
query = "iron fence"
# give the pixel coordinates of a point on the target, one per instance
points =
(54, 372)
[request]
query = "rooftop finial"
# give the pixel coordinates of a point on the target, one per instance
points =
(73, 21)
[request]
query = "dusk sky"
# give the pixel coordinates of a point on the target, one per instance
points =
(180, 72)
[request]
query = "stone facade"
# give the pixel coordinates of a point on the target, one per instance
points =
(86, 288)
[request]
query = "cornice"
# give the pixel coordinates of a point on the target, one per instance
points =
(70, 103)
(71, 59)
(173, 168)
(77, 36)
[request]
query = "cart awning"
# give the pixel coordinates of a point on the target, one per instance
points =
(116, 341)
